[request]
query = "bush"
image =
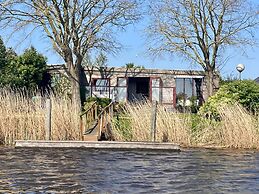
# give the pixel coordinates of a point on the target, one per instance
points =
(103, 102)
(123, 127)
(244, 92)
(28, 70)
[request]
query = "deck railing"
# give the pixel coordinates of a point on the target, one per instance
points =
(97, 120)
(87, 119)
(105, 121)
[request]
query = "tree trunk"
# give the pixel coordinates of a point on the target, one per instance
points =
(77, 78)
(83, 83)
(75, 84)
(209, 84)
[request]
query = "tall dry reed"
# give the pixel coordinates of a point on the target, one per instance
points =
(23, 117)
(237, 128)
(171, 127)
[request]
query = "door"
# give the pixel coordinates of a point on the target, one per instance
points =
(121, 89)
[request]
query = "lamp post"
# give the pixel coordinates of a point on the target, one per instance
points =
(240, 68)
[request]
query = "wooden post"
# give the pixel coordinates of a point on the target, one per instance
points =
(101, 126)
(95, 111)
(111, 117)
(86, 121)
(111, 111)
(153, 121)
(81, 128)
(48, 119)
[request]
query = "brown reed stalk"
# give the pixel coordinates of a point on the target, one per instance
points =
(171, 127)
(22, 117)
(237, 128)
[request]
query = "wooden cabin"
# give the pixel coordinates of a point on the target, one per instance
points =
(168, 87)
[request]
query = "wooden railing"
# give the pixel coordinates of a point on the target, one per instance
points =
(100, 123)
(88, 119)
(105, 121)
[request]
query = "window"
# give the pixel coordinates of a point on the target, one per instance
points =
(101, 85)
(188, 91)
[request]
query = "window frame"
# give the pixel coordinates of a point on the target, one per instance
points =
(95, 87)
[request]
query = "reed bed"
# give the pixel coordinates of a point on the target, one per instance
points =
(22, 117)
(171, 127)
(237, 128)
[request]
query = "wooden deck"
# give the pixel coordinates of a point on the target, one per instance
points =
(98, 145)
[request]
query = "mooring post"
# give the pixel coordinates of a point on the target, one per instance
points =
(48, 119)
(153, 121)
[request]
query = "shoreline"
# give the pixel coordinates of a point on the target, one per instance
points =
(182, 147)
(98, 145)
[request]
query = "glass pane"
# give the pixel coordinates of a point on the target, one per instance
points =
(121, 94)
(155, 94)
(102, 85)
(113, 93)
(179, 85)
(188, 87)
(156, 83)
(102, 82)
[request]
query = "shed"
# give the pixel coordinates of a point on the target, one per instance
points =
(168, 87)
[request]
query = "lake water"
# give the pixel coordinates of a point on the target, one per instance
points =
(106, 171)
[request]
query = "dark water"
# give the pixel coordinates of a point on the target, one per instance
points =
(103, 171)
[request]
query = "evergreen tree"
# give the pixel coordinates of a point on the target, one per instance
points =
(2, 53)
(10, 55)
(28, 70)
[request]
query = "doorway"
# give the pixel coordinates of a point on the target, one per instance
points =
(138, 89)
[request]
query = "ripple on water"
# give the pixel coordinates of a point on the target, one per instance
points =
(104, 171)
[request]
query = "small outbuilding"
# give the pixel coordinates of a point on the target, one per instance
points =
(168, 87)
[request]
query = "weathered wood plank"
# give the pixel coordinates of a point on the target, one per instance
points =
(98, 145)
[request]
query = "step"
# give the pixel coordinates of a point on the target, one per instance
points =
(90, 137)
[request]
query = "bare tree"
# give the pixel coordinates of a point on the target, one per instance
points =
(99, 64)
(200, 30)
(75, 27)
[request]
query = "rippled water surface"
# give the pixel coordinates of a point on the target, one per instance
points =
(106, 171)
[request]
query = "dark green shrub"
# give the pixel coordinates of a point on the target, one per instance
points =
(122, 125)
(28, 70)
(102, 102)
(245, 92)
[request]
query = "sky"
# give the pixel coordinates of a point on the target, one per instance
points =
(135, 51)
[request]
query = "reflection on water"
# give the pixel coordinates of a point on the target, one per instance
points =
(104, 171)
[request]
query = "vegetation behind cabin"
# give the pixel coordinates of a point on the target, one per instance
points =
(28, 70)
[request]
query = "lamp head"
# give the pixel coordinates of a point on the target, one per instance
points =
(240, 67)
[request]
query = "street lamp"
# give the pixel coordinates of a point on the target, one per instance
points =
(240, 68)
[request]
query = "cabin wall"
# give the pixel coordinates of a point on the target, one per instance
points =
(117, 87)
(164, 93)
